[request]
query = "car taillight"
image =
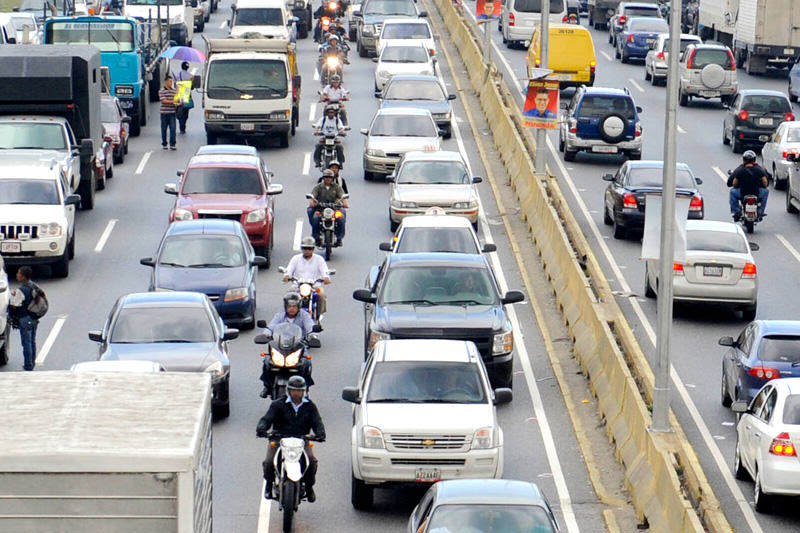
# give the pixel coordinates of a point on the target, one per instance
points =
(630, 38)
(696, 204)
(744, 115)
(690, 61)
(592, 64)
(573, 125)
(637, 129)
(622, 19)
(629, 201)
(749, 271)
(337, 214)
(677, 269)
(565, 19)
(782, 445)
(661, 55)
(511, 19)
(788, 117)
(764, 372)
(733, 61)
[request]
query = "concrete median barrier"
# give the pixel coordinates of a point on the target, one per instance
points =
(666, 483)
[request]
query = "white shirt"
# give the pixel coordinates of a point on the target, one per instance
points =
(329, 125)
(334, 94)
(307, 269)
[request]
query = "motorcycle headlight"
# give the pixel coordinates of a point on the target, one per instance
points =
(291, 453)
(292, 359)
(215, 368)
(374, 152)
(53, 229)
(371, 437)
(276, 357)
(183, 214)
(503, 342)
(483, 439)
(239, 293)
(375, 336)
(332, 62)
(305, 290)
(256, 216)
(215, 115)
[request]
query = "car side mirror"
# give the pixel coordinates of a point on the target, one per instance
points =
(390, 178)
(147, 261)
(350, 394)
(96, 336)
(364, 131)
(440, 132)
(258, 261)
(179, 173)
(503, 396)
(126, 119)
(608, 177)
(726, 341)
(261, 324)
(364, 295)
(262, 338)
(489, 247)
(73, 199)
(423, 14)
(477, 179)
(171, 188)
(274, 188)
(230, 334)
(377, 94)
(754, 247)
(316, 328)
(356, 14)
(699, 181)
(739, 407)
(374, 59)
(639, 109)
(385, 247)
(512, 297)
(451, 97)
(314, 342)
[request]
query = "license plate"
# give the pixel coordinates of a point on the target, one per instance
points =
(605, 149)
(649, 41)
(750, 209)
(788, 51)
(563, 77)
(709, 94)
(763, 138)
(329, 141)
(427, 474)
(765, 122)
(247, 126)
(10, 247)
(712, 271)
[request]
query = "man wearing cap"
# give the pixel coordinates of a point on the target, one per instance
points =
(335, 167)
(327, 192)
(309, 266)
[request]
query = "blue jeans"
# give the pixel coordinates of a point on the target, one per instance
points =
(167, 121)
(315, 224)
(736, 196)
(27, 333)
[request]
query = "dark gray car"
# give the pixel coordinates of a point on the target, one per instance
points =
(422, 92)
(369, 20)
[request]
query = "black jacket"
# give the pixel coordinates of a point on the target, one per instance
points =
(282, 419)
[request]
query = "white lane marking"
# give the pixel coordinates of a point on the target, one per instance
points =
(51, 339)
(223, 24)
(264, 509)
(680, 130)
(792, 250)
(530, 379)
(106, 234)
(606, 55)
(143, 162)
(298, 233)
(312, 111)
(306, 163)
(718, 171)
(316, 75)
(638, 87)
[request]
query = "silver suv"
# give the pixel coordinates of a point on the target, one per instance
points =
(707, 71)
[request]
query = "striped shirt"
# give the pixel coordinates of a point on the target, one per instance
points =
(167, 93)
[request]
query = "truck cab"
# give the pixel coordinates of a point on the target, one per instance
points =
(178, 13)
(266, 17)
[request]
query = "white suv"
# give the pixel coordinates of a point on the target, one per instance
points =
(37, 215)
(5, 327)
(424, 411)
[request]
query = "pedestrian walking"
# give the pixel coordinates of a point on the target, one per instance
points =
(168, 109)
(26, 306)
(182, 113)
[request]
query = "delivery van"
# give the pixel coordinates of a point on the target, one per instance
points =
(518, 19)
(571, 56)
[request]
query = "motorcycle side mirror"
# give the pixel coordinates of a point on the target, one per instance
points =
(262, 339)
(350, 394)
(230, 334)
(374, 59)
(261, 324)
(313, 342)
(754, 247)
(316, 328)
(489, 247)
(385, 246)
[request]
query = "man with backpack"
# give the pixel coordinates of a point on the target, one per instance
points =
(28, 304)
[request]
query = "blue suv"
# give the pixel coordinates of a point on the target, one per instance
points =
(602, 121)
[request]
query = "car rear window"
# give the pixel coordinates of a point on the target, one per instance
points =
(684, 44)
(708, 56)
(491, 518)
(779, 348)
(653, 26)
(653, 177)
(217, 180)
(404, 54)
(406, 30)
(535, 6)
(715, 241)
(426, 382)
(791, 410)
(642, 11)
(766, 104)
(600, 106)
(446, 240)
(793, 135)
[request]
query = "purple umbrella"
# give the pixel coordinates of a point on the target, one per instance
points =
(184, 53)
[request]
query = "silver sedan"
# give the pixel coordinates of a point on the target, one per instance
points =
(785, 139)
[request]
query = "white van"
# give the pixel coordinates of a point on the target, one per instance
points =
(179, 14)
(268, 18)
(519, 17)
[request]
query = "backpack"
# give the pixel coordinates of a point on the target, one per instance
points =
(39, 305)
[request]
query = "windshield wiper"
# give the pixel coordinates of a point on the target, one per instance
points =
(174, 341)
(226, 87)
(441, 400)
(465, 302)
(116, 41)
(208, 265)
(413, 302)
(394, 400)
(166, 263)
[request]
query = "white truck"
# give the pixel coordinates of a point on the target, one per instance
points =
(761, 33)
(179, 14)
(105, 452)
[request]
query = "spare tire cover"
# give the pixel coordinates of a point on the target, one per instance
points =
(712, 75)
(612, 128)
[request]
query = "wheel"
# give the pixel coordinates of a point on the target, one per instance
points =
(790, 208)
(283, 140)
(749, 312)
(616, 53)
(610, 39)
(86, 190)
(569, 155)
(136, 124)
(266, 253)
(476, 225)
(368, 176)
(635, 156)
(725, 139)
(607, 220)
(648, 289)
(201, 27)
(361, 494)
(736, 144)
(792, 97)
(560, 144)
(725, 397)
(362, 52)
(683, 99)
(619, 231)
(351, 36)
(287, 502)
(647, 76)
(155, 84)
(144, 98)
(328, 247)
(293, 129)
(119, 156)
(211, 138)
(61, 268)
(4, 348)
(219, 412)
(109, 174)
(739, 470)
(278, 390)
(623, 57)
(763, 502)
(125, 151)
(71, 247)
(749, 226)
(101, 184)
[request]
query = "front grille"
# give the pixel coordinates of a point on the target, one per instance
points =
(226, 216)
(247, 118)
(13, 231)
(483, 340)
(427, 442)
(394, 154)
(429, 462)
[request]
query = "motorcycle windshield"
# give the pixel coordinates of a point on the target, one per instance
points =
(286, 336)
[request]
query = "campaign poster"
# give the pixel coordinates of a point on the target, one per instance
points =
(480, 10)
(541, 104)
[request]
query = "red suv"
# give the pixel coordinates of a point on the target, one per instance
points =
(234, 187)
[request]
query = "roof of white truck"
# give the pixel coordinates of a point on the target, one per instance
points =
(102, 422)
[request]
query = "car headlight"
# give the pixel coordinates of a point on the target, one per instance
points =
(238, 293)
(215, 115)
(465, 205)
(371, 437)
(182, 214)
(256, 216)
(404, 205)
(503, 342)
(369, 29)
(375, 336)
(374, 152)
(483, 439)
(280, 115)
(215, 368)
(53, 229)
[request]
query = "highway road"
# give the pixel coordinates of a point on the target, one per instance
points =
(696, 357)
(127, 224)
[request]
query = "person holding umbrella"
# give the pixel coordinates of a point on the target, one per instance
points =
(184, 78)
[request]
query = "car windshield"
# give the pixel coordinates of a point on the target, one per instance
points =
(535, 6)
(433, 173)
(144, 325)
(31, 135)
(406, 30)
(38, 5)
(653, 177)
(22, 191)
(202, 251)
(757, 103)
(600, 106)
(414, 90)
(19, 23)
(404, 54)
(648, 26)
(262, 16)
(107, 36)
(791, 410)
(154, 2)
(246, 79)
(715, 241)
(780, 349)
(684, 44)
(426, 382)
(793, 135)
(642, 11)
(491, 518)
(108, 111)
(217, 180)
(708, 56)
(438, 285)
(390, 7)
(403, 126)
(450, 240)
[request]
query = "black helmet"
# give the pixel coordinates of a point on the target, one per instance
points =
(185, 65)
(291, 298)
(296, 383)
(749, 156)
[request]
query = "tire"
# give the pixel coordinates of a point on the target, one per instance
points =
(4, 348)
(749, 312)
(569, 155)
(619, 231)
(749, 226)
(635, 156)
(725, 396)
(739, 471)
(287, 502)
(763, 502)
(607, 220)
(283, 140)
(362, 52)
(616, 53)
(120, 157)
(328, 244)
(351, 36)
(368, 176)
(201, 27)
(86, 190)
(683, 99)
(61, 268)
(725, 139)
(125, 151)
(792, 98)
(211, 138)
(476, 226)
(218, 412)
(71, 247)
(361, 494)
(266, 253)
(612, 139)
(647, 76)
(278, 390)
(393, 225)
(790, 208)
(101, 184)
(648, 290)
(610, 39)
(623, 57)
(736, 144)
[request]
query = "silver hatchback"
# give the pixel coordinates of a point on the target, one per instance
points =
(707, 71)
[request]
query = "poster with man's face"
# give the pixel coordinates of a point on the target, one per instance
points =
(541, 104)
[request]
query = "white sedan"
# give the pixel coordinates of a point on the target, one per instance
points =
(406, 29)
(656, 62)
(402, 57)
(785, 139)
(767, 436)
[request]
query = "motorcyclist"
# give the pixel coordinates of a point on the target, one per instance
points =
(291, 314)
(335, 167)
(292, 416)
(333, 44)
(749, 178)
(336, 93)
(309, 266)
(328, 124)
(327, 192)
(324, 10)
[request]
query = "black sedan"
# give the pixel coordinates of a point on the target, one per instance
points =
(753, 117)
(625, 196)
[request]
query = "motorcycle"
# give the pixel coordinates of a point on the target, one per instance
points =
(338, 104)
(331, 64)
(290, 463)
(308, 293)
(287, 354)
(329, 147)
(748, 208)
(324, 25)
(330, 213)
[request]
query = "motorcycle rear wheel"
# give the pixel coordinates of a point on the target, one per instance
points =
(287, 502)
(328, 244)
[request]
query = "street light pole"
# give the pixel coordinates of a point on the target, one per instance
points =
(667, 248)
(540, 158)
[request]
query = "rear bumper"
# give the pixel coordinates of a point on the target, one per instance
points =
(754, 136)
(780, 475)
(575, 143)
(634, 50)
(519, 33)
(744, 292)
(631, 219)
(698, 91)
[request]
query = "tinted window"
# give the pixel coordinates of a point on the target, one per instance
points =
(491, 518)
(707, 56)
(438, 286)
(769, 406)
(715, 241)
(766, 104)
(404, 54)
(203, 251)
(262, 79)
(652, 26)
(535, 6)
(433, 172)
(39, 192)
(406, 31)
(136, 325)
(684, 44)
(43, 136)
(258, 17)
(108, 111)
(793, 135)
(600, 106)
(653, 177)
(412, 381)
(437, 240)
(414, 90)
(390, 7)
(107, 36)
(791, 410)
(779, 348)
(403, 126)
(210, 180)
(642, 11)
